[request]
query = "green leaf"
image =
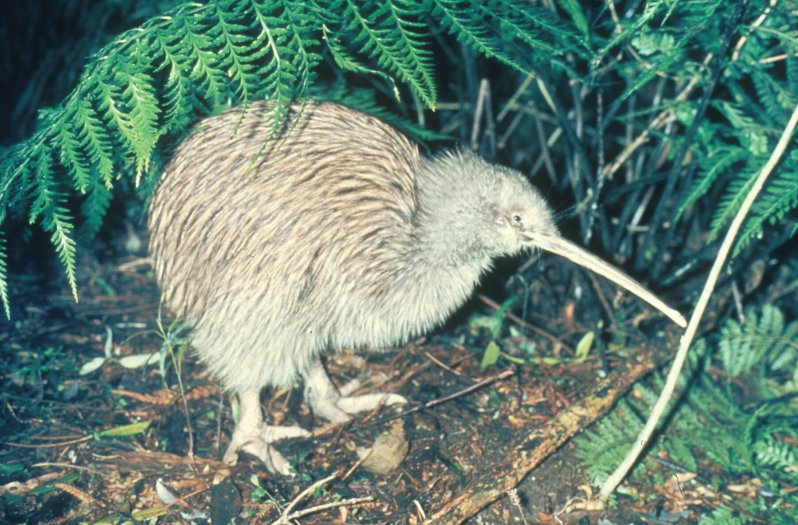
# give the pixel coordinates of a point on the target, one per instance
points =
(126, 430)
(491, 354)
(574, 9)
(583, 346)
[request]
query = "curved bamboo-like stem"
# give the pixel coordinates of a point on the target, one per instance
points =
(670, 384)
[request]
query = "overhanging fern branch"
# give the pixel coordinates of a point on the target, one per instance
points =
(386, 34)
(497, 28)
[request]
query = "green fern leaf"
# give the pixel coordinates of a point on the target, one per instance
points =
(749, 132)
(297, 34)
(199, 49)
(419, 61)
(713, 165)
(762, 341)
(535, 26)
(55, 219)
(177, 98)
(284, 79)
(731, 201)
(142, 106)
(775, 99)
(94, 140)
(111, 106)
(71, 152)
(237, 54)
(383, 35)
(724, 515)
(577, 14)
(472, 31)
(770, 452)
(778, 199)
(346, 62)
(94, 208)
(59, 223)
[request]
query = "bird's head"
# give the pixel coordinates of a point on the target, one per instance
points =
(482, 208)
(490, 211)
(518, 214)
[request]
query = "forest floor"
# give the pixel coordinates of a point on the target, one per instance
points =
(139, 440)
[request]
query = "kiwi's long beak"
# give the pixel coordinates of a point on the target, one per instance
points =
(578, 255)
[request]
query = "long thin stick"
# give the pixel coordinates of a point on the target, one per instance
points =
(692, 327)
(445, 399)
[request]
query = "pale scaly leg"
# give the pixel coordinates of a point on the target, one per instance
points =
(329, 403)
(255, 437)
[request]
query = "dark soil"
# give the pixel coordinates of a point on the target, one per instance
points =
(61, 465)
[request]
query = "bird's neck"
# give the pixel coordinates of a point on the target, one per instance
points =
(448, 256)
(449, 224)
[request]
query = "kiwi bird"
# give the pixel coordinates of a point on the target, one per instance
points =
(332, 232)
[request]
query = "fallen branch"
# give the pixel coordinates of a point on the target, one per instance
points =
(531, 450)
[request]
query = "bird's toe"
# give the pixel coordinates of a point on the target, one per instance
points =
(259, 445)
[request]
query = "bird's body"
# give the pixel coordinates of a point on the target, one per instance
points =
(319, 239)
(333, 233)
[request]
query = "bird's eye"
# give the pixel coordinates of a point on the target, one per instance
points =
(517, 219)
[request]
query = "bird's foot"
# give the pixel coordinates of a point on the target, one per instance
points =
(338, 406)
(257, 441)
(255, 437)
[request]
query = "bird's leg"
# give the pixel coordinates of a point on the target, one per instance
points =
(253, 436)
(328, 402)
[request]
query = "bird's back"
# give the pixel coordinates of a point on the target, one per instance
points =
(284, 238)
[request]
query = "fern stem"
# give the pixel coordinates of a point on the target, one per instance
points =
(692, 327)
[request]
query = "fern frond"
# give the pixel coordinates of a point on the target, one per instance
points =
(49, 205)
(536, 27)
(778, 199)
(59, 223)
(292, 32)
(142, 106)
(776, 454)
(94, 141)
(285, 79)
(94, 207)
(762, 340)
(177, 99)
(473, 32)
(724, 515)
(347, 62)
(394, 43)
(418, 63)
(774, 98)
(209, 78)
(731, 201)
(109, 103)
(239, 50)
(71, 152)
(715, 163)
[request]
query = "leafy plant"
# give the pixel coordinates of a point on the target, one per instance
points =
(712, 421)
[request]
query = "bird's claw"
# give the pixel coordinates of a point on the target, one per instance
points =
(258, 443)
